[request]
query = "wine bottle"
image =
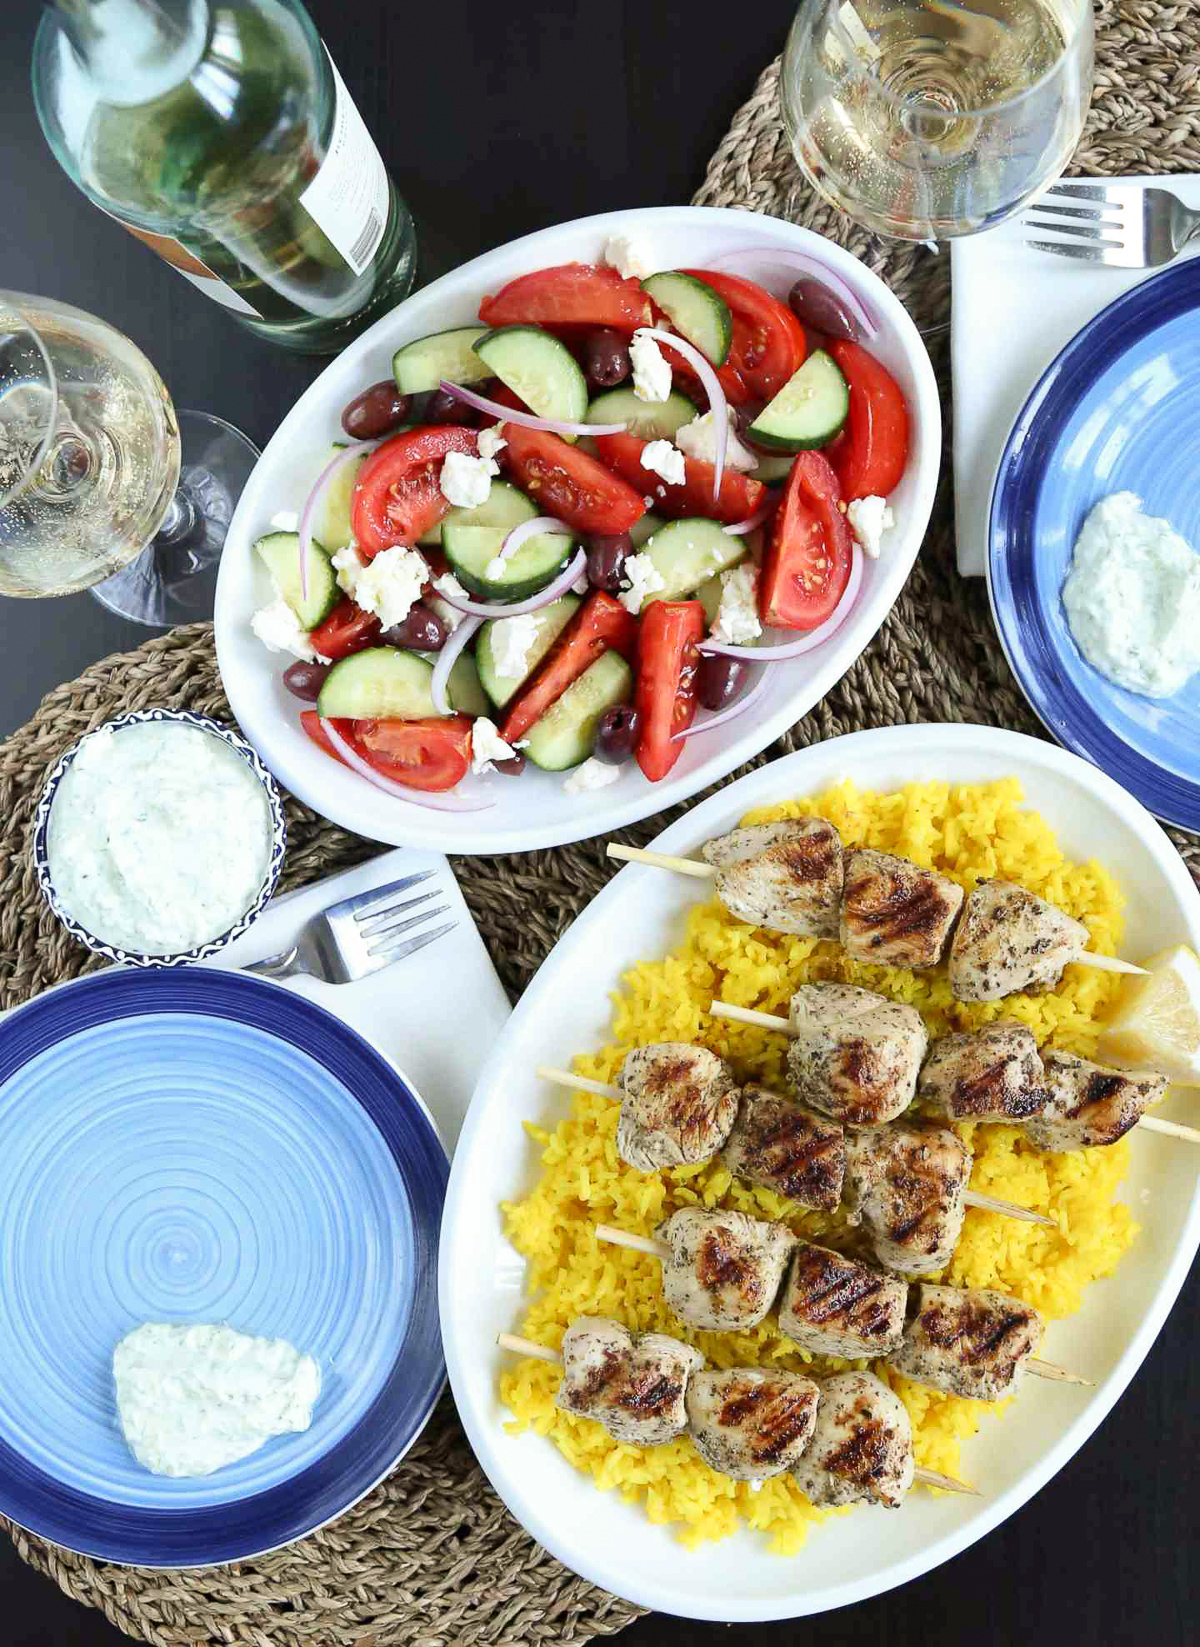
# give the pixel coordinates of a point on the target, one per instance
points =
(220, 133)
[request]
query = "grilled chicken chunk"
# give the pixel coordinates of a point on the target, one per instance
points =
(784, 876)
(894, 912)
(908, 1186)
(1010, 943)
(834, 1305)
(854, 1055)
(751, 1424)
(680, 1102)
(632, 1383)
(862, 1449)
(993, 1075)
(1088, 1105)
(777, 1143)
(968, 1341)
(725, 1268)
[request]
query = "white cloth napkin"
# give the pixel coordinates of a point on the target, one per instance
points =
(1013, 310)
(436, 1014)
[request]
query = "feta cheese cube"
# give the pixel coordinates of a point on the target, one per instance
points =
(278, 628)
(698, 439)
(737, 616)
(487, 746)
(389, 585)
(627, 256)
(495, 568)
(593, 774)
(448, 584)
(869, 519)
(664, 459)
(465, 480)
(512, 640)
(491, 441)
(644, 579)
(651, 369)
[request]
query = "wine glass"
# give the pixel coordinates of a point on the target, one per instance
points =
(103, 486)
(925, 119)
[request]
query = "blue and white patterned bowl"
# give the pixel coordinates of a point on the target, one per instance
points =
(200, 952)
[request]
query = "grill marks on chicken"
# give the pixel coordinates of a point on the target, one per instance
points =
(908, 1186)
(994, 1074)
(1010, 942)
(750, 1424)
(680, 1103)
(724, 1269)
(968, 1342)
(1088, 1105)
(632, 1383)
(835, 1305)
(784, 876)
(788, 1149)
(862, 1448)
(894, 913)
(854, 1055)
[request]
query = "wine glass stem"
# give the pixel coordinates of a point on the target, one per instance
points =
(180, 518)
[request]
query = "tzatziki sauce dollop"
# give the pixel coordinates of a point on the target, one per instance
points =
(1132, 598)
(192, 1399)
(159, 837)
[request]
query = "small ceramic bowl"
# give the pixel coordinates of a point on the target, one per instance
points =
(200, 952)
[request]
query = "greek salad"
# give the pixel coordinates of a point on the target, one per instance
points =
(554, 536)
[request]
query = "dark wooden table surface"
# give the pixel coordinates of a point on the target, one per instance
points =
(496, 121)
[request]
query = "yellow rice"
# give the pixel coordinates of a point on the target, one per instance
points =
(969, 832)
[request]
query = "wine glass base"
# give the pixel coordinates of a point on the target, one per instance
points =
(174, 579)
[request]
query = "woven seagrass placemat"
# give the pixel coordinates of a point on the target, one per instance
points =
(431, 1558)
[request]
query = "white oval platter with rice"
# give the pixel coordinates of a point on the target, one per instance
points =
(642, 915)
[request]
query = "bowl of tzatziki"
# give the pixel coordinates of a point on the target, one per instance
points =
(159, 838)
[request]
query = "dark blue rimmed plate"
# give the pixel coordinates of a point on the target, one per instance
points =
(204, 1146)
(1118, 410)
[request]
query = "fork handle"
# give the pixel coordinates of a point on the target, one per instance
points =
(284, 965)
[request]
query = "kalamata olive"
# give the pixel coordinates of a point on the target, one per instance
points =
(377, 411)
(607, 357)
(443, 408)
(512, 767)
(616, 734)
(745, 414)
(606, 557)
(421, 631)
(815, 305)
(721, 680)
(305, 680)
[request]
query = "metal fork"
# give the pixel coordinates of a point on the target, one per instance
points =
(357, 936)
(1119, 224)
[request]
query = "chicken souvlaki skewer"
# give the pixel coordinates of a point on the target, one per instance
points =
(847, 1440)
(795, 877)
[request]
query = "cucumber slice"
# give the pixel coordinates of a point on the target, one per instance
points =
(421, 365)
(538, 368)
(466, 695)
(686, 552)
(566, 732)
(808, 411)
(280, 552)
(379, 683)
(709, 595)
(695, 311)
(549, 624)
(505, 506)
(773, 467)
(647, 419)
(645, 528)
(471, 549)
(334, 524)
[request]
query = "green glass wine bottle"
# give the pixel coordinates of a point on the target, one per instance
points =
(221, 134)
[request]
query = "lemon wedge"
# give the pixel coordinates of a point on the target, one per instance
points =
(1157, 1021)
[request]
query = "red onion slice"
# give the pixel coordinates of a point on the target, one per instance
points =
(419, 797)
(552, 425)
(717, 402)
(333, 467)
(730, 712)
(498, 609)
(530, 529)
(807, 264)
(806, 643)
(751, 521)
(446, 660)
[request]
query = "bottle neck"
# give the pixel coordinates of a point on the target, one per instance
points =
(134, 51)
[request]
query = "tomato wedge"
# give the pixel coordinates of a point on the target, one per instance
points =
(809, 550)
(347, 629)
(573, 294)
(431, 754)
(739, 496)
(877, 448)
(767, 345)
(311, 722)
(600, 622)
(567, 483)
(396, 496)
(668, 664)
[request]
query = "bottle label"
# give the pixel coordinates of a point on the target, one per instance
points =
(348, 198)
(190, 267)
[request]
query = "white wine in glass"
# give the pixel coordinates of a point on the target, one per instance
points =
(103, 485)
(929, 120)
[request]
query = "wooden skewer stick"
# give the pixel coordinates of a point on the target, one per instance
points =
(769, 1020)
(659, 1249)
(703, 871)
(540, 1352)
(603, 1089)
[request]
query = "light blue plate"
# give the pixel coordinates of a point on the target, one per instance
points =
(203, 1146)
(1118, 410)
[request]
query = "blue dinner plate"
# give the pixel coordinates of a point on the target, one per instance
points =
(203, 1146)
(1118, 410)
